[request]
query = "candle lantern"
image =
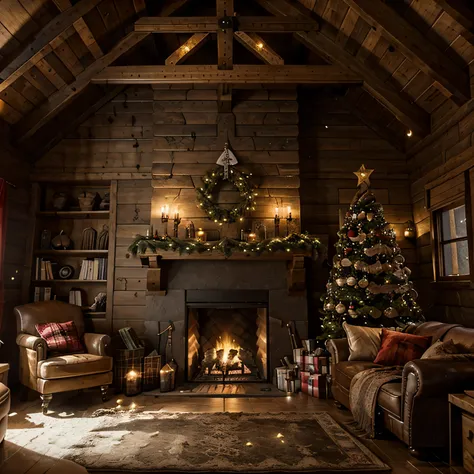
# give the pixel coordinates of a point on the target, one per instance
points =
(289, 218)
(252, 237)
(410, 230)
(133, 383)
(176, 222)
(167, 378)
(165, 213)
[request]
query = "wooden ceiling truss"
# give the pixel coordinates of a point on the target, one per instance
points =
(306, 20)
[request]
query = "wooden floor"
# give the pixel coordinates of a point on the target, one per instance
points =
(16, 459)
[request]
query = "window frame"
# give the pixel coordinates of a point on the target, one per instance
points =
(438, 242)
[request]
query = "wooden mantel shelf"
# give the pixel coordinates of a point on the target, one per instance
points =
(296, 273)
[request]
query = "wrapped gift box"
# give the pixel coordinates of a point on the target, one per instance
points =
(282, 375)
(316, 364)
(304, 378)
(317, 385)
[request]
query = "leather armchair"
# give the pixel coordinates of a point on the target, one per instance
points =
(4, 400)
(49, 374)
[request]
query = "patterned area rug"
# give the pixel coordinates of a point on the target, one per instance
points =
(154, 441)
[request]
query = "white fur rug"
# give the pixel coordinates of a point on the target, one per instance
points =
(158, 441)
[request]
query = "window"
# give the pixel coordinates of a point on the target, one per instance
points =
(452, 243)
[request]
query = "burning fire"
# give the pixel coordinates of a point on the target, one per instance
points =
(226, 343)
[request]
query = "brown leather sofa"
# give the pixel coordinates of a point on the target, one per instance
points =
(4, 400)
(48, 375)
(415, 409)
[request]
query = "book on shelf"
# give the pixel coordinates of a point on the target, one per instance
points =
(93, 269)
(44, 269)
(42, 294)
(130, 338)
(75, 296)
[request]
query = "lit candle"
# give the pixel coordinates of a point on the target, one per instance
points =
(133, 381)
(276, 212)
(176, 214)
(289, 212)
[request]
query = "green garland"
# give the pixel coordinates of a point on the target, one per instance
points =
(226, 246)
(241, 181)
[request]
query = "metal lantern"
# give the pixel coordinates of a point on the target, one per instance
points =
(133, 383)
(167, 378)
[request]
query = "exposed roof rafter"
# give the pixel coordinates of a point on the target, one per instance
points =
(408, 113)
(187, 49)
(258, 47)
(36, 119)
(40, 46)
(413, 44)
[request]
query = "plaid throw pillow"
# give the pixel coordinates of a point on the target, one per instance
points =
(399, 348)
(61, 337)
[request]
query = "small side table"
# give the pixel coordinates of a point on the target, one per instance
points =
(461, 433)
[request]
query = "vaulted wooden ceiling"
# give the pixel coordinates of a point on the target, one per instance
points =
(62, 59)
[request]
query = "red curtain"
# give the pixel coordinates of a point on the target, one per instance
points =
(3, 221)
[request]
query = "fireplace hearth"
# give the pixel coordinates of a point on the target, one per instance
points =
(227, 334)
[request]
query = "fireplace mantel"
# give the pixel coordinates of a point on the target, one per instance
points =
(157, 285)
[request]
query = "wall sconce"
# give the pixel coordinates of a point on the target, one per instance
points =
(277, 223)
(410, 230)
(176, 222)
(165, 213)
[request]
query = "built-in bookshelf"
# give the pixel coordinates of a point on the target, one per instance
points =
(78, 272)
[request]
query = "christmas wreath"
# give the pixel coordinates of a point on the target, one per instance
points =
(243, 184)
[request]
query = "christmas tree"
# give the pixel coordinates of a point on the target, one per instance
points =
(369, 283)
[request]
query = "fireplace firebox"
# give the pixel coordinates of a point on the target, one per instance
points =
(227, 336)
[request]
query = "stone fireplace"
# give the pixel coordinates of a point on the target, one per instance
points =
(239, 303)
(227, 336)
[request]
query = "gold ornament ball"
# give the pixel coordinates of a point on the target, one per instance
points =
(341, 281)
(351, 281)
(353, 313)
(391, 312)
(363, 283)
(330, 306)
(361, 216)
(340, 308)
(370, 216)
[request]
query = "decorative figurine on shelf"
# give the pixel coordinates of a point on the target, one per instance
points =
(60, 201)
(88, 200)
(261, 231)
(61, 242)
(100, 303)
(190, 231)
(103, 239)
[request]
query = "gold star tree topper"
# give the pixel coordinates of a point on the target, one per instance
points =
(363, 176)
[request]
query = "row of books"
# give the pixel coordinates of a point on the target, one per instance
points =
(93, 269)
(44, 270)
(75, 297)
(43, 293)
(130, 338)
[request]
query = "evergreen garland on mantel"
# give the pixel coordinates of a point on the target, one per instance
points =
(226, 246)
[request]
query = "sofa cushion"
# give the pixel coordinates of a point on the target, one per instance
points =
(462, 337)
(440, 349)
(399, 348)
(345, 371)
(390, 398)
(4, 400)
(364, 342)
(61, 337)
(73, 365)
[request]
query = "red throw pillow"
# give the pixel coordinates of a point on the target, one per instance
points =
(61, 337)
(398, 348)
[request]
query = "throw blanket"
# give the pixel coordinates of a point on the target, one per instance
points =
(365, 387)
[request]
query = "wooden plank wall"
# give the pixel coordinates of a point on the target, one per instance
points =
(18, 244)
(158, 142)
(333, 144)
(431, 160)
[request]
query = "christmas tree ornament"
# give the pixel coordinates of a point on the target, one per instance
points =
(363, 283)
(351, 281)
(361, 215)
(370, 216)
(363, 175)
(341, 281)
(347, 251)
(330, 306)
(345, 262)
(400, 259)
(352, 234)
(352, 312)
(340, 308)
(390, 312)
(375, 312)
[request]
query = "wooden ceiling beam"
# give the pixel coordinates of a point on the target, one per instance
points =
(413, 116)
(187, 49)
(414, 45)
(41, 115)
(202, 24)
(259, 48)
(82, 30)
(40, 46)
(461, 12)
(240, 74)
(225, 36)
